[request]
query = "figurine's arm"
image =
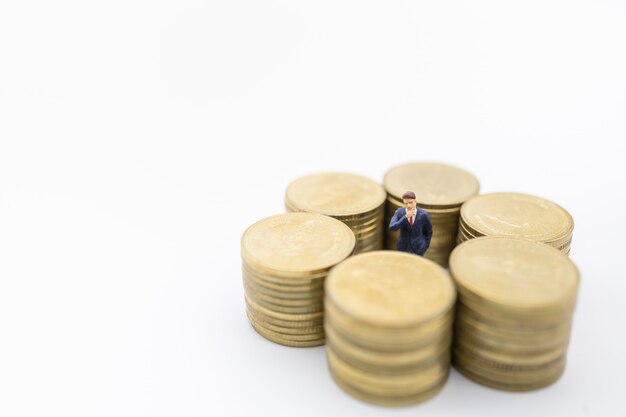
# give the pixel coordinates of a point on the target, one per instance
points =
(396, 220)
(428, 229)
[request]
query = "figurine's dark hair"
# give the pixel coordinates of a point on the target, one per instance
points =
(409, 195)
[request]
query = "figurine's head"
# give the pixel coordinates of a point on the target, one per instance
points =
(409, 200)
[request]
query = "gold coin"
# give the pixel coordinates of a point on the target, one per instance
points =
(509, 361)
(361, 227)
(261, 287)
(282, 315)
(538, 338)
(291, 323)
(370, 248)
(467, 230)
(507, 322)
(385, 399)
(335, 194)
(312, 302)
(396, 385)
(519, 347)
(277, 338)
(387, 362)
(517, 215)
(505, 372)
(294, 243)
(435, 185)
(351, 221)
(280, 306)
(390, 289)
(390, 339)
(287, 331)
(312, 286)
(515, 318)
(288, 337)
(514, 273)
(311, 279)
(509, 384)
(290, 298)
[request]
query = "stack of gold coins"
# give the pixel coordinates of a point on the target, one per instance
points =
(440, 190)
(388, 321)
(514, 311)
(285, 259)
(516, 215)
(355, 200)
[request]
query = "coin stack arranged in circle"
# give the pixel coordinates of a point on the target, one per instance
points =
(388, 321)
(355, 200)
(285, 260)
(440, 190)
(516, 215)
(514, 311)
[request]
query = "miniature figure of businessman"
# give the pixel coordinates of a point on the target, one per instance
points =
(414, 224)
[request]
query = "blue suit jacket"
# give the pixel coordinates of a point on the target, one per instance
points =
(414, 239)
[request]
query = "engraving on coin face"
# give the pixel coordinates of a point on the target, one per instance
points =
(335, 193)
(297, 242)
(514, 272)
(434, 184)
(390, 288)
(511, 214)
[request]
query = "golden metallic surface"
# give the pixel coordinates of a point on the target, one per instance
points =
(335, 194)
(294, 243)
(279, 306)
(510, 382)
(292, 322)
(251, 284)
(285, 336)
(388, 362)
(516, 299)
(396, 385)
(390, 289)
(386, 399)
(485, 341)
(357, 216)
(286, 341)
(511, 316)
(317, 331)
(280, 300)
(508, 385)
(517, 215)
(354, 200)
(507, 371)
(520, 334)
(514, 273)
(304, 279)
(435, 185)
(507, 359)
(388, 339)
(279, 285)
(251, 304)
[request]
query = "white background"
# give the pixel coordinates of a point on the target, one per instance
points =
(139, 139)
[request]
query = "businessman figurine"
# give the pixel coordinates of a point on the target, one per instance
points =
(414, 224)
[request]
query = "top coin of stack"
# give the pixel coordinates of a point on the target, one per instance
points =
(355, 200)
(388, 322)
(285, 259)
(440, 190)
(514, 311)
(516, 215)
